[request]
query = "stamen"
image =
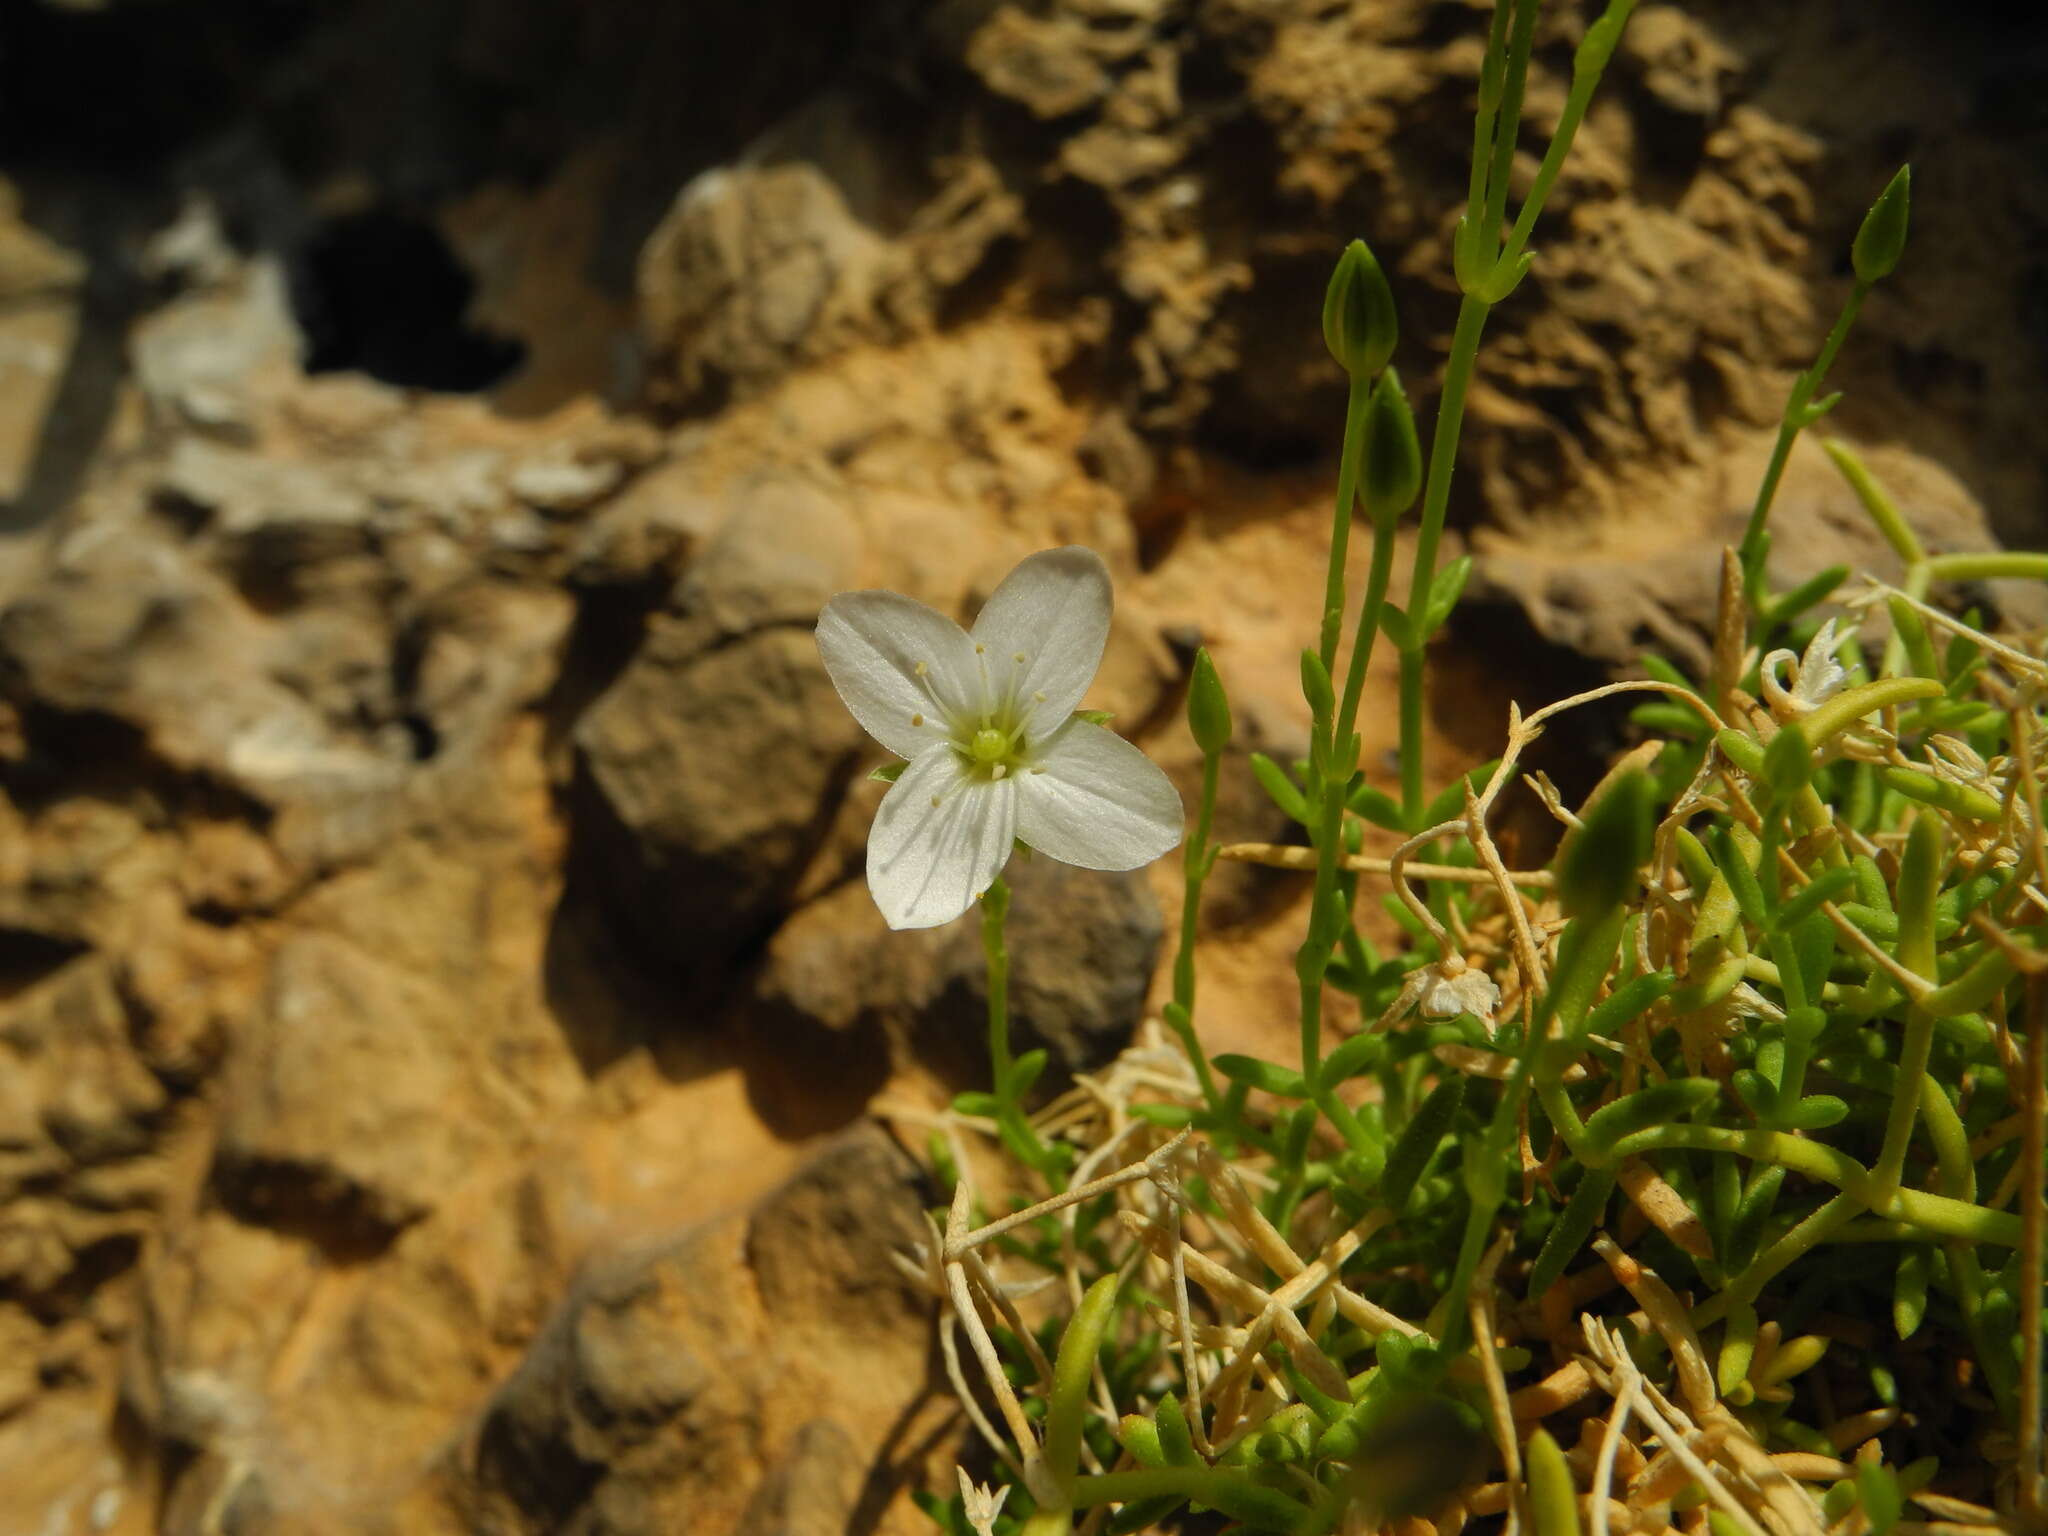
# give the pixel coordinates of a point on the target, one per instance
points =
(1038, 770)
(1038, 698)
(922, 669)
(980, 650)
(999, 770)
(917, 719)
(1020, 658)
(936, 802)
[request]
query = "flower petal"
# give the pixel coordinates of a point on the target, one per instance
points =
(1095, 800)
(1052, 610)
(940, 838)
(873, 642)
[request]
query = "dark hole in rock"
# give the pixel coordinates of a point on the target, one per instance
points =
(27, 957)
(381, 293)
(421, 735)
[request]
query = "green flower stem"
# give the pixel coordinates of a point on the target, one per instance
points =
(1436, 500)
(1010, 1120)
(1794, 421)
(1507, 126)
(1198, 860)
(1369, 611)
(1338, 755)
(1340, 523)
(1412, 782)
(1491, 72)
(1587, 67)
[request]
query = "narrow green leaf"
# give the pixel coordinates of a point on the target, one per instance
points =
(1073, 1369)
(1815, 589)
(1596, 868)
(1419, 1139)
(1662, 1104)
(1271, 1077)
(1377, 807)
(1831, 885)
(1567, 1236)
(1281, 789)
(1909, 1289)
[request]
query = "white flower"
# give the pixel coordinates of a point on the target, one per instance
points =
(996, 754)
(1819, 674)
(1448, 993)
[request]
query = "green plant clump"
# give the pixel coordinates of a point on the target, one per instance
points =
(1692, 1180)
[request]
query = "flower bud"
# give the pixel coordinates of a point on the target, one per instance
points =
(1882, 239)
(1597, 869)
(1358, 313)
(1208, 708)
(1393, 453)
(1316, 686)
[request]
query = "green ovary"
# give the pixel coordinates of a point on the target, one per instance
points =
(989, 747)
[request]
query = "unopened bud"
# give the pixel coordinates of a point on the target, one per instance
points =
(1393, 452)
(1316, 686)
(1359, 324)
(1882, 239)
(1208, 708)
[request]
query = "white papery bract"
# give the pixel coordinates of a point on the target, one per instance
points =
(1818, 675)
(995, 752)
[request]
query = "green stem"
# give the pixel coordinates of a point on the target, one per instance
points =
(1507, 127)
(1333, 783)
(1196, 864)
(1789, 1249)
(1340, 523)
(1793, 422)
(1587, 68)
(1491, 71)
(995, 908)
(1436, 500)
(1412, 781)
(1905, 1105)
(1368, 624)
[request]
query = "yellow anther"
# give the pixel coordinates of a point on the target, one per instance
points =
(922, 669)
(1020, 658)
(917, 719)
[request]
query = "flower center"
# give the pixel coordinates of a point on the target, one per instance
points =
(989, 747)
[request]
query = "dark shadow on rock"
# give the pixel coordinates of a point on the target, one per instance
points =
(1490, 656)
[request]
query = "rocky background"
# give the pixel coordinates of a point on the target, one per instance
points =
(441, 1022)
